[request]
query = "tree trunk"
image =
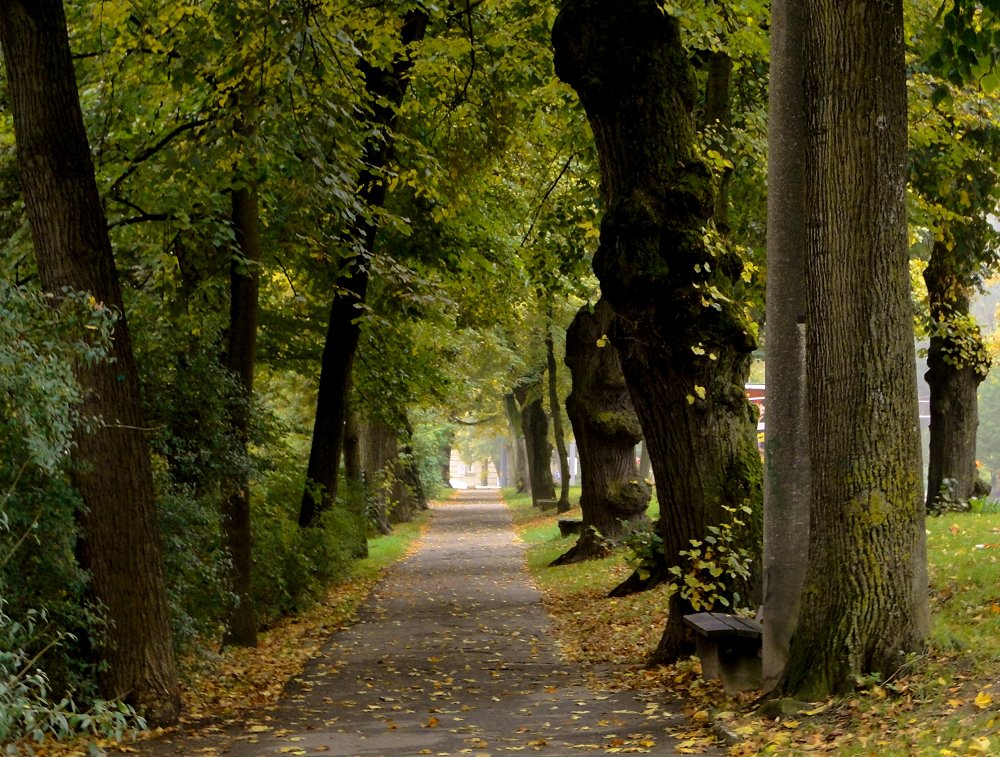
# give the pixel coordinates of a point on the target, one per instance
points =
(864, 600)
(354, 495)
(536, 440)
(519, 453)
(446, 459)
(241, 357)
(120, 541)
(786, 477)
(386, 88)
(645, 465)
(550, 355)
(613, 497)
(378, 449)
(407, 473)
(955, 367)
(684, 339)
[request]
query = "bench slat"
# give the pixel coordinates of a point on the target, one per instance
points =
(716, 624)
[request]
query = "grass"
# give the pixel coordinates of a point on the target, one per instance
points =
(946, 701)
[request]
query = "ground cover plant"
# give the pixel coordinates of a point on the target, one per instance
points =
(945, 701)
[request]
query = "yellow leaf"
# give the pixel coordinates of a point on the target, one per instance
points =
(259, 728)
(432, 723)
(981, 744)
(983, 700)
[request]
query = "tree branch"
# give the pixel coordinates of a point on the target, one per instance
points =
(151, 151)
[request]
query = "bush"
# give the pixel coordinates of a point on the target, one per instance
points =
(42, 338)
(293, 566)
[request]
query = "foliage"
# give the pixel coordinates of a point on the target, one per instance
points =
(431, 439)
(29, 710)
(946, 501)
(644, 550)
(984, 505)
(293, 566)
(43, 339)
(713, 564)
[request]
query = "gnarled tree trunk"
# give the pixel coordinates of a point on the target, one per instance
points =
(613, 497)
(685, 341)
(956, 366)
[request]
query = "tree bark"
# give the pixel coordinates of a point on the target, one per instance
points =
(519, 454)
(956, 365)
(786, 476)
(864, 600)
(411, 489)
(563, 505)
(241, 358)
(645, 465)
(120, 542)
(354, 496)
(536, 440)
(378, 449)
(385, 88)
(684, 339)
(613, 497)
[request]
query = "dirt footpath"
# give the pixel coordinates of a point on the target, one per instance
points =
(453, 654)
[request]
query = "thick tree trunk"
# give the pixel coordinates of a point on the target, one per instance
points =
(354, 496)
(241, 358)
(563, 504)
(954, 372)
(786, 476)
(613, 497)
(864, 600)
(519, 453)
(120, 537)
(536, 440)
(407, 474)
(378, 450)
(683, 337)
(386, 88)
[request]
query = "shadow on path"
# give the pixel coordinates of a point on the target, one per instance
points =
(453, 654)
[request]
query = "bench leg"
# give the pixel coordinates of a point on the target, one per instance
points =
(708, 653)
(740, 667)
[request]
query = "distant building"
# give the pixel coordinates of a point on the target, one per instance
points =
(463, 475)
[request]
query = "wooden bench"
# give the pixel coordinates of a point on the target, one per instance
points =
(729, 647)
(569, 526)
(546, 504)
